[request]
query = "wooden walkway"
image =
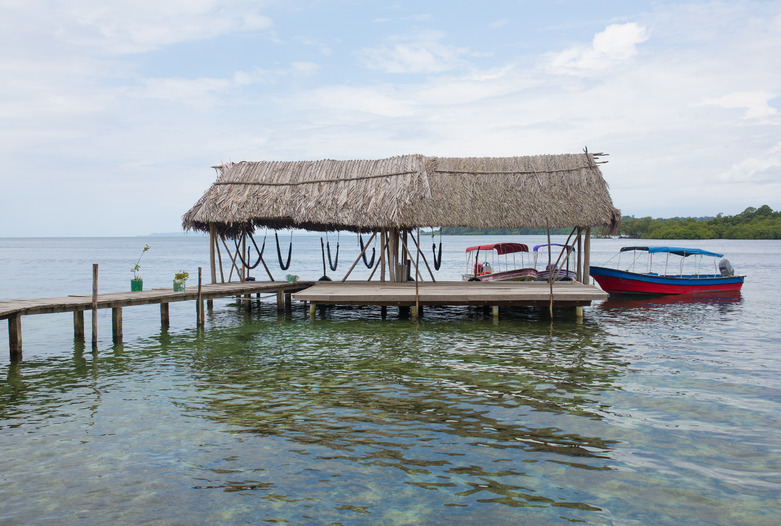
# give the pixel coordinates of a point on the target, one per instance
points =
(383, 294)
(497, 293)
(13, 310)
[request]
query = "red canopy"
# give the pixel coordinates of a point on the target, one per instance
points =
(501, 248)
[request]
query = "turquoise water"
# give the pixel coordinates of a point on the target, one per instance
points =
(647, 412)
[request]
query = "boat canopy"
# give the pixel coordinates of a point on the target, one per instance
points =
(675, 250)
(570, 248)
(501, 248)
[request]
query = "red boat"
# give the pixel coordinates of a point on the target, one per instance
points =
(696, 281)
(496, 269)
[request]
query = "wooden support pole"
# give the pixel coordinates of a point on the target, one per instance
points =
(94, 305)
(78, 325)
(212, 247)
(312, 310)
(199, 303)
(280, 301)
(365, 248)
(587, 257)
(579, 271)
(116, 324)
(417, 244)
(15, 336)
(495, 311)
(288, 302)
(383, 244)
(165, 318)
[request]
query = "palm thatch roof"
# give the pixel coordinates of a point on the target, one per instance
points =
(408, 191)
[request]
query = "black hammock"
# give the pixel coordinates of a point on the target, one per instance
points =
(259, 251)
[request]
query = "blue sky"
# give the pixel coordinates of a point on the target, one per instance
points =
(113, 112)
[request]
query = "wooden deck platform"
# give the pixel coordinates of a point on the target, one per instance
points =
(495, 294)
(9, 308)
(13, 310)
(383, 294)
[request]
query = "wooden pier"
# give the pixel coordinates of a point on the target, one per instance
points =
(402, 294)
(13, 310)
(479, 293)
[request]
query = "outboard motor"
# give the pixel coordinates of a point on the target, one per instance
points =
(725, 267)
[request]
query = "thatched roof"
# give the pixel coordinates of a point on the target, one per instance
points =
(409, 191)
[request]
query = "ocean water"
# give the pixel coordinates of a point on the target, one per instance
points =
(657, 411)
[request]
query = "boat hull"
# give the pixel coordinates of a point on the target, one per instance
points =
(615, 281)
(521, 274)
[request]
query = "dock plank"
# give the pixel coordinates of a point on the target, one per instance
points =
(112, 300)
(450, 293)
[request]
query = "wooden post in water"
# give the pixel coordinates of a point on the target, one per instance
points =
(15, 336)
(116, 324)
(165, 318)
(200, 322)
(94, 305)
(78, 325)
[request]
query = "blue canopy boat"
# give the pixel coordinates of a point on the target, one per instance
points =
(618, 281)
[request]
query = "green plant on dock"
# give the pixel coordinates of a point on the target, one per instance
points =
(135, 269)
(181, 275)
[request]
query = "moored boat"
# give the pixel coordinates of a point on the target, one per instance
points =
(560, 267)
(693, 280)
(498, 269)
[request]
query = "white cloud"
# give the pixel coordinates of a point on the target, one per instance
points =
(754, 102)
(127, 26)
(617, 43)
(421, 53)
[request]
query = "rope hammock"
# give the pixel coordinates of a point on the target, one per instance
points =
(370, 263)
(259, 251)
(437, 258)
(284, 266)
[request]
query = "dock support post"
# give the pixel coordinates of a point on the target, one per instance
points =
(579, 313)
(15, 336)
(288, 303)
(94, 305)
(199, 317)
(413, 313)
(312, 310)
(78, 325)
(384, 312)
(495, 311)
(280, 301)
(116, 324)
(165, 318)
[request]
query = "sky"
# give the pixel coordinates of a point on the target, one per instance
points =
(112, 114)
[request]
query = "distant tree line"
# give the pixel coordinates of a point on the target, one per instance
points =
(752, 223)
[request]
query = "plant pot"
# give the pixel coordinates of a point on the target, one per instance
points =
(179, 285)
(136, 285)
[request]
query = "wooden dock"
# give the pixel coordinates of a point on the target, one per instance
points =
(405, 294)
(494, 294)
(13, 310)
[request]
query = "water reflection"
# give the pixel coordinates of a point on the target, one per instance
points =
(466, 408)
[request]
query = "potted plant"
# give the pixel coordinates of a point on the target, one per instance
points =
(179, 280)
(137, 284)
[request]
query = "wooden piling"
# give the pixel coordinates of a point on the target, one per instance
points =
(94, 305)
(15, 336)
(200, 319)
(165, 318)
(78, 325)
(116, 324)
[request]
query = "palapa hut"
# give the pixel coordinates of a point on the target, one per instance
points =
(396, 196)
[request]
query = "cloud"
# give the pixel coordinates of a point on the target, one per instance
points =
(421, 53)
(756, 103)
(127, 26)
(763, 169)
(616, 44)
